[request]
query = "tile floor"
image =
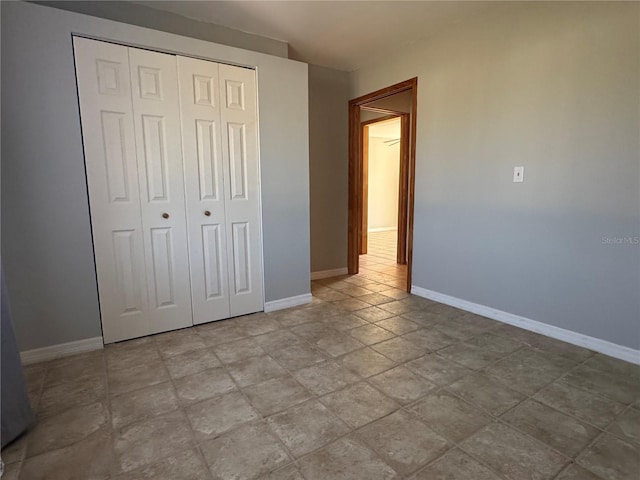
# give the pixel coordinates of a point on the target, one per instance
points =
(382, 244)
(366, 383)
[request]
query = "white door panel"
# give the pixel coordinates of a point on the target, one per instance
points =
(104, 90)
(156, 112)
(204, 173)
(242, 195)
(171, 152)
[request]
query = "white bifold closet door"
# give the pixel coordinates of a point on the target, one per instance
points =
(172, 168)
(222, 178)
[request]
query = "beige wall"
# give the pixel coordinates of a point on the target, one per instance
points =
(384, 170)
(552, 86)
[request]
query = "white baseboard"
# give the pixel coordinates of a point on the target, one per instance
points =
(61, 350)
(287, 302)
(329, 273)
(592, 343)
(381, 229)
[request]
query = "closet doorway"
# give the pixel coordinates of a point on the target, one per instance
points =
(171, 155)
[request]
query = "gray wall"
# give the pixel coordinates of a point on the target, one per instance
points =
(46, 236)
(148, 17)
(552, 86)
(328, 166)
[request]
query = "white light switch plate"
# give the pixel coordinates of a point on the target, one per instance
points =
(518, 174)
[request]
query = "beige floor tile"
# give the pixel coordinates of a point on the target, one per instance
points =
(575, 472)
(397, 307)
(76, 367)
(486, 393)
(63, 396)
(424, 318)
(148, 402)
(613, 365)
(470, 356)
(185, 465)
(131, 353)
(346, 459)
(589, 407)
(495, 343)
(238, 350)
(152, 440)
(311, 331)
(290, 472)
(622, 388)
(12, 471)
(177, 342)
(398, 325)
(276, 395)
(213, 417)
(254, 370)
(16, 450)
(298, 356)
(344, 322)
(456, 465)
(403, 442)
(527, 371)
(274, 341)
(136, 377)
(627, 426)
(373, 314)
(67, 428)
(562, 432)
(192, 362)
(359, 404)
(399, 350)
(223, 331)
(376, 298)
(90, 459)
(370, 334)
(246, 453)
(430, 339)
(449, 416)
(438, 370)
(203, 385)
(336, 344)
(611, 458)
(257, 324)
(325, 377)
(402, 385)
(307, 427)
(481, 369)
(367, 362)
(513, 454)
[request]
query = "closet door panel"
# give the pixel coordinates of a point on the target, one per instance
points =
(204, 173)
(156, 112)
(104, 89)
(242, 188)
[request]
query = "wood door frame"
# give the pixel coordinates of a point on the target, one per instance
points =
(407, 185)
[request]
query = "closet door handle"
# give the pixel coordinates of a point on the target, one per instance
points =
(207, 213)
(165, 215)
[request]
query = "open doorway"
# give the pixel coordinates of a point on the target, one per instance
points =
(381, 139)
(381, 185)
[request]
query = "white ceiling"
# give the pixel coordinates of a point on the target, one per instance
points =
(340, 34)
(385, 129)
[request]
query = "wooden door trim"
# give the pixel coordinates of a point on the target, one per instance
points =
(356, 169)
(364, 215)
(403, 190)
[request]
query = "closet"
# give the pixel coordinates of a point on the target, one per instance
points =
(171, 157)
